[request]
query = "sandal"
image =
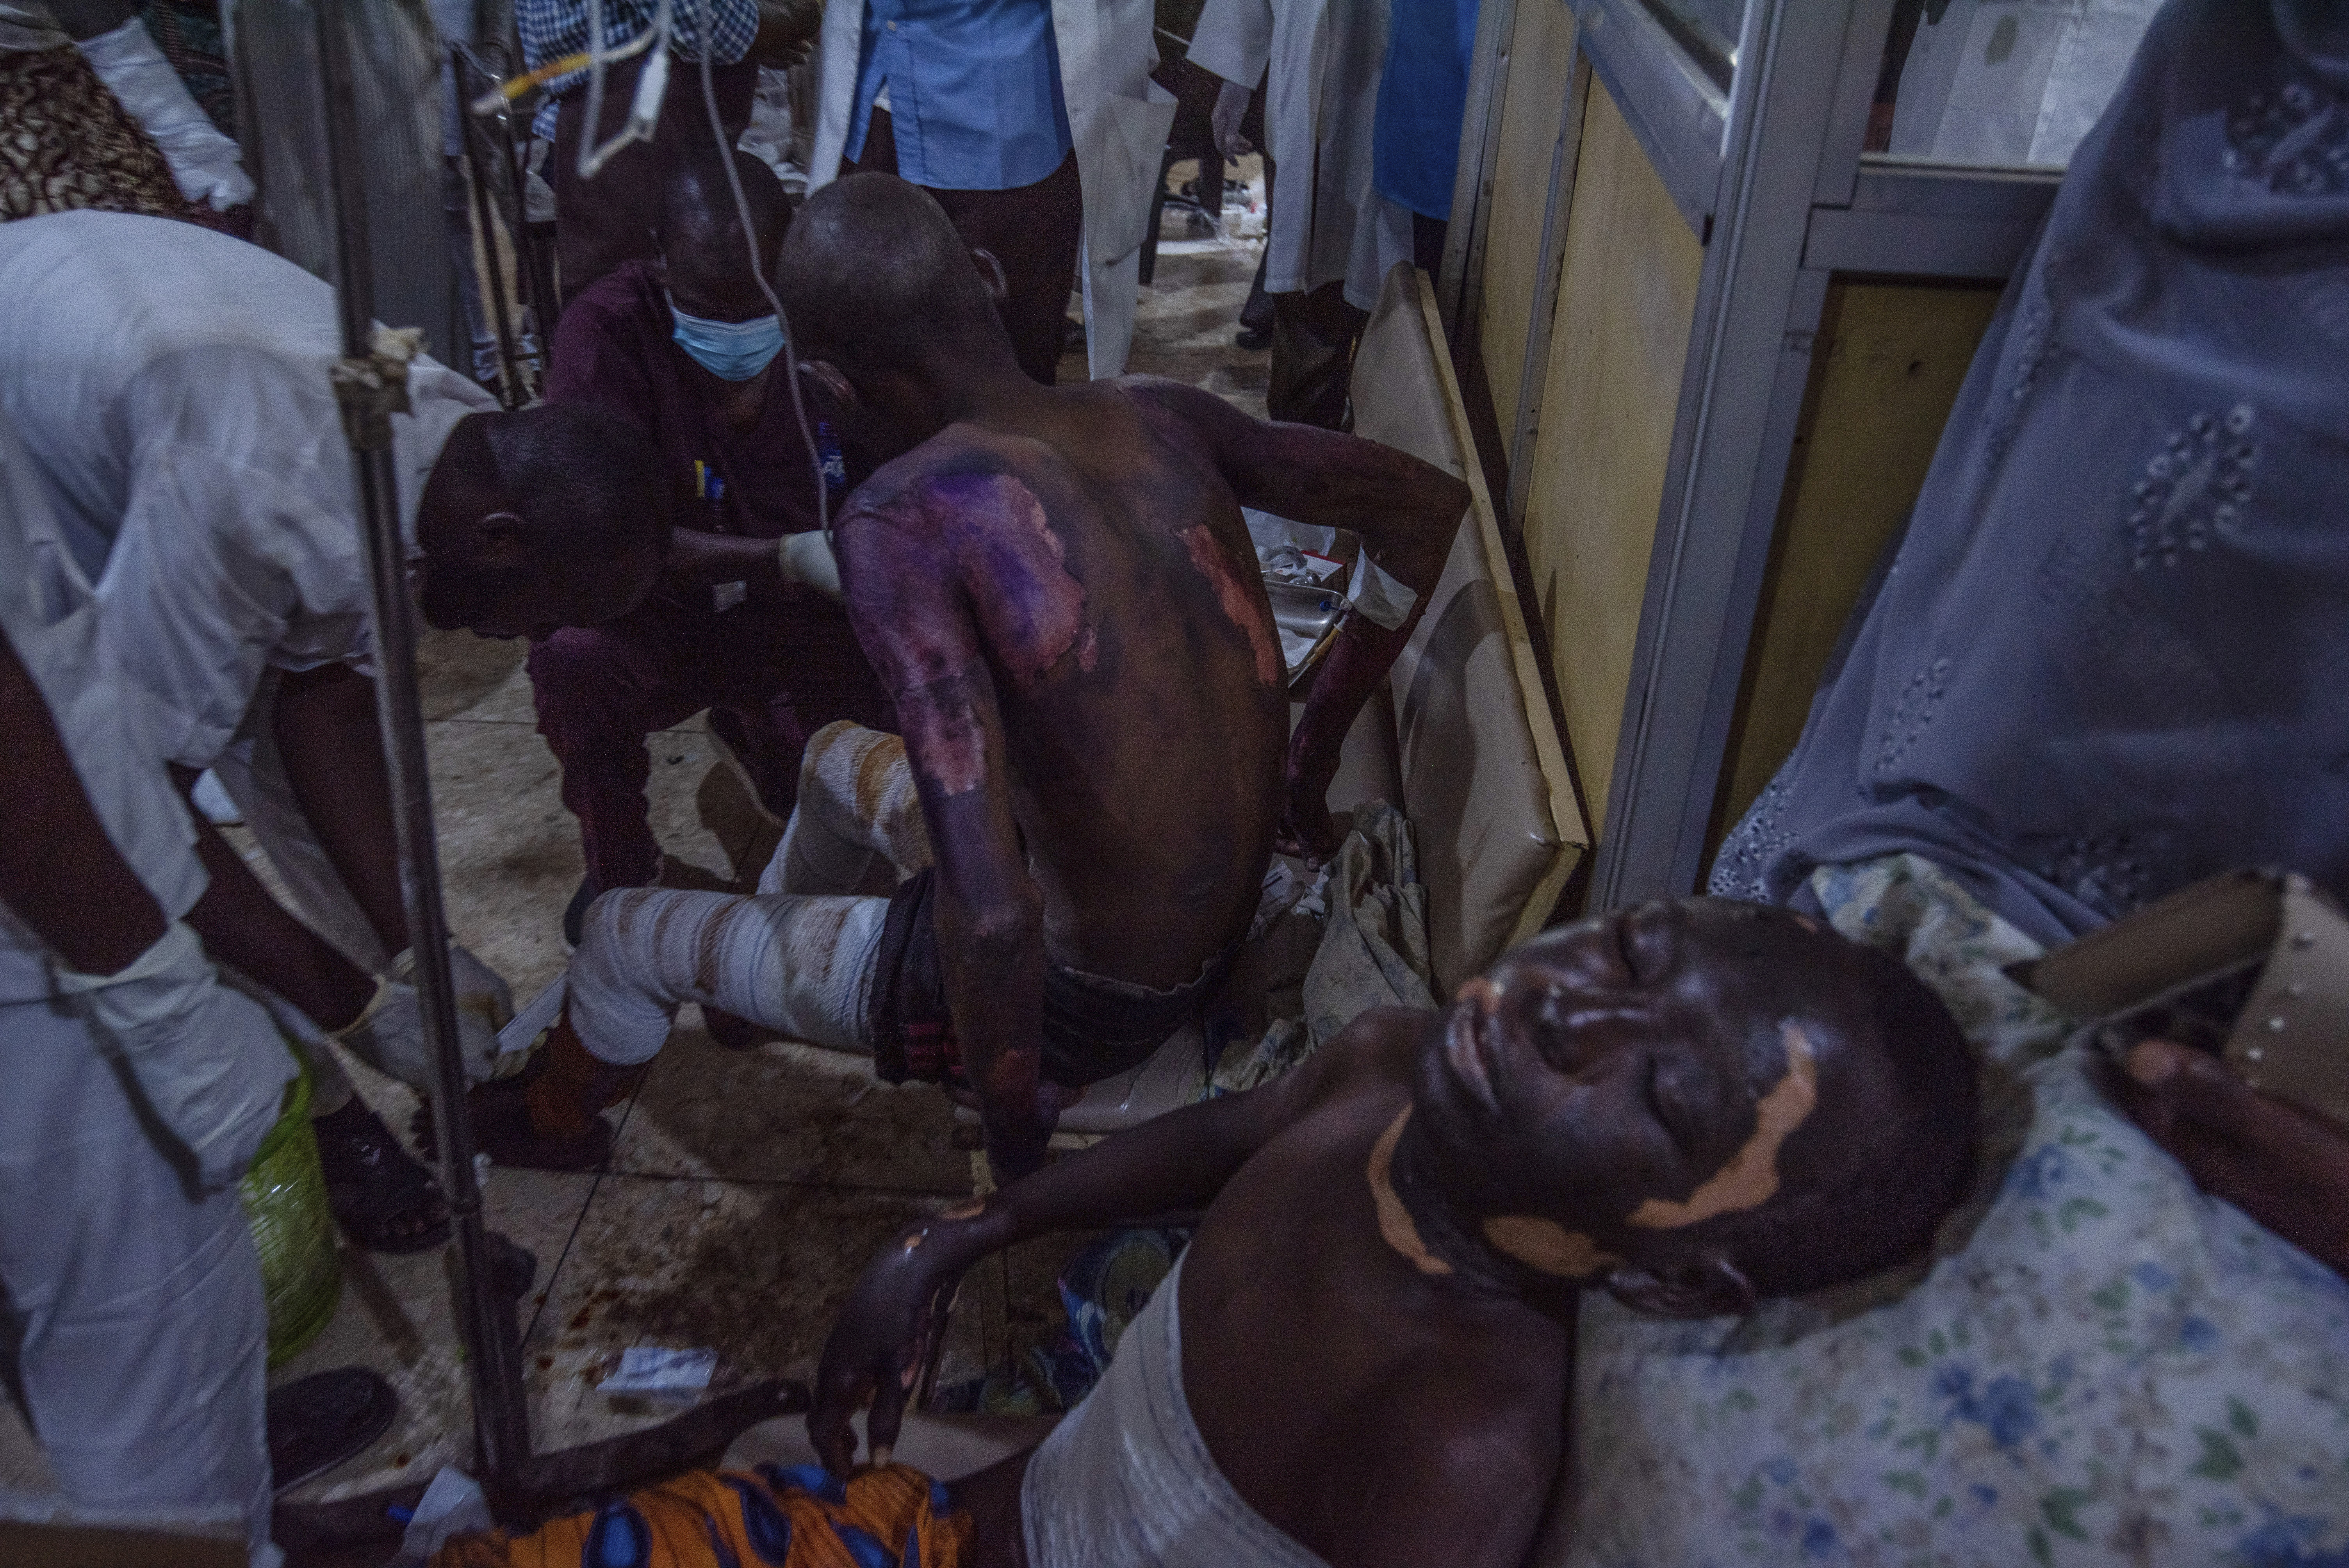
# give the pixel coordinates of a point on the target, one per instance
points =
(503, 1131)
(317, 1422)
(384, 1200)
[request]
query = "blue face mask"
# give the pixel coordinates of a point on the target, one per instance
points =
(732, 350)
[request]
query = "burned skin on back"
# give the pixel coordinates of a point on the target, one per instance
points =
(1091, 584)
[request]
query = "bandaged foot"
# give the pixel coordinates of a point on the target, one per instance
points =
(858, 825)
(797, 965)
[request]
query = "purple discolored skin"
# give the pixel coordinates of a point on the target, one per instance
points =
(1059, 593)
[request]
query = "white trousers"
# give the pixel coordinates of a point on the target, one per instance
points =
(133, 1310)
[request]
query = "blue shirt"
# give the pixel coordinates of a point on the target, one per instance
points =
(974, 91)
(1422, 95)
(549, 29)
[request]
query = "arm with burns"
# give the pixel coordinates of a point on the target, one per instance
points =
(915, 617)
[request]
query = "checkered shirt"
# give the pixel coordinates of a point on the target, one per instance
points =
(550, 29)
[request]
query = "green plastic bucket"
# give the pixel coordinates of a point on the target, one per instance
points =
(284, 1194)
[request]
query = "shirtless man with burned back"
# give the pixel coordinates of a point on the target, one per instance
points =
(1058, 588)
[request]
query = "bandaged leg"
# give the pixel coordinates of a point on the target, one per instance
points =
(858, 822)
(800, 966)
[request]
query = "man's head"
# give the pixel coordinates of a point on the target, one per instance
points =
(723, 317)
(1698, 1102)
(882, 292)
(556, 516)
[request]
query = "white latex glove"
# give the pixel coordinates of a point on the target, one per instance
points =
(209, 1061)
(807, 558)
(1224, 123)
(205, 165)
(389, 1034)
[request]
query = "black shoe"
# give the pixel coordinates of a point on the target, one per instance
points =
(317, 1422)
(1254, 339)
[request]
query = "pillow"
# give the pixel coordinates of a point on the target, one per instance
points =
(2097, 1362)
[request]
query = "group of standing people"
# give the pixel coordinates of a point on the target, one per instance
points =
(1364, 105)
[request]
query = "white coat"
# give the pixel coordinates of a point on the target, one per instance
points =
(140, 1356)
(170, 384)
(1118, 121)
(1322, 100)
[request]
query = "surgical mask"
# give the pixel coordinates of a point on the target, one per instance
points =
(730, 350)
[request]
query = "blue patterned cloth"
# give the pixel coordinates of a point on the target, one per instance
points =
(1104, 1288)
(2107, 659)
(2097, 1362)
(550, 29)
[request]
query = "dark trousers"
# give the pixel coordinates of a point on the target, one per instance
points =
(603, 222)
(1031, 230)
(772, 673)
(1315, 334)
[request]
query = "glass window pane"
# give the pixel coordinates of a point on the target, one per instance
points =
(1707, 29)
(2003, 83)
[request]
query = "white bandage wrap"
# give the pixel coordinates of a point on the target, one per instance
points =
(206, 165)
(210, 1062)
(858, 825)
(800, 965)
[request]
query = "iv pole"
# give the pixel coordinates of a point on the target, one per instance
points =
(371, 385)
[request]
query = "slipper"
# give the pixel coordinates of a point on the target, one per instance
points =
(317, 1422)
(503, 1130)
(383, 1199)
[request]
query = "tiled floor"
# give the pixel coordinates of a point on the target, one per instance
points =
(746, 1190)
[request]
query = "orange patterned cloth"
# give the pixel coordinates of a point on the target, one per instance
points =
(892, 1517)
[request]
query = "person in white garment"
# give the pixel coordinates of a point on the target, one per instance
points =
(139, 1087)
(939, 74)
(170, 386)
(1332, 236)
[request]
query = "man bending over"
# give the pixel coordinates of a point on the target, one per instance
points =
(1364, 1356)
(1058, 589)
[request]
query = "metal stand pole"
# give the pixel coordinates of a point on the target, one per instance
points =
(372, 387)
(371, 384)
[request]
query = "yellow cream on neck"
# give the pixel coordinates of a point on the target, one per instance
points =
(1395, 1225)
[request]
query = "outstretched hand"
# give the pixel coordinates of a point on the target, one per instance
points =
(2286, 1167)
(878, 1347)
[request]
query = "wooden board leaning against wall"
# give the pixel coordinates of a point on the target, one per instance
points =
(1885, 368)
(1541, 67)
(1626, 298)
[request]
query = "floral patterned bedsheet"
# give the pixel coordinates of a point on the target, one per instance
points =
(2098, 1364)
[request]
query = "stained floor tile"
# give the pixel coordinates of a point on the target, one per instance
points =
(755, 1272)
(787, 1112)
(510, 852)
